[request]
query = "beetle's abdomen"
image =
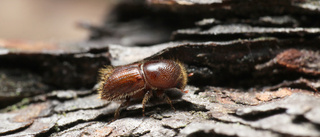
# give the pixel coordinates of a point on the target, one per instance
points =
(123, 82)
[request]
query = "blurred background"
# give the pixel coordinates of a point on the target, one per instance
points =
(50, 20)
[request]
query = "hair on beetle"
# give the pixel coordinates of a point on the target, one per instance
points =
(104, 74)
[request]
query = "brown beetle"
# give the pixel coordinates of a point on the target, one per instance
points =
(141, 81)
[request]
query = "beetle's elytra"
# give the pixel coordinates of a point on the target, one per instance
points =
(141, 81)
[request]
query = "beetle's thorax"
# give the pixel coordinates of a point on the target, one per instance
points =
(146, 83)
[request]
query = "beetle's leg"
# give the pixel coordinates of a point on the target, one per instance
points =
(145, 100)
(124, 104)
(166, 98)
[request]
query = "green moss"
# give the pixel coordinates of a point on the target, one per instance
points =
(56, 128)
(25, 101)
(20, 105)
(200, 114)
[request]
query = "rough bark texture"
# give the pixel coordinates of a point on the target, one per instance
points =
(255, 65)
